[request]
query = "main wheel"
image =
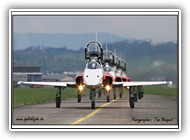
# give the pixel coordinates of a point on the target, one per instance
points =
(142, 94)
(79, 98)
(58, 102)
(135, 97)
(93, 104)
(139, 95)
(120, 94)
(114, 95)
(99, 93)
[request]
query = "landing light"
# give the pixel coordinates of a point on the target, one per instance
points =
(81, 87)
(108, 87)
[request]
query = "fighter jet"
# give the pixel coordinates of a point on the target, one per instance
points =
(94, 77)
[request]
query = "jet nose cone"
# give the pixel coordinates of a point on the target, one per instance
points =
(93, 77)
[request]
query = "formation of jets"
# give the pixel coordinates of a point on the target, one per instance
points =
(116, 68)
(105, 71)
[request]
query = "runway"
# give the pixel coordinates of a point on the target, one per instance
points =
(152, 109)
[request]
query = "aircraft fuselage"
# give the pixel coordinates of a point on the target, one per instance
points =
(93, 78)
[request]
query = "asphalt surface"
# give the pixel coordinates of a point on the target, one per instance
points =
(152, 109)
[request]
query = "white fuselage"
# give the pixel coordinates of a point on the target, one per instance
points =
(110, 70)
(93, 78)
(118, 72)
(112, 73)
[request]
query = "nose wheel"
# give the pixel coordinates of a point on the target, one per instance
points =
(108, 96)
(79, 98)
(114, 94)
(92, 97)
(93, 104)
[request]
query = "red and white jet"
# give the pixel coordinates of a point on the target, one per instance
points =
(94, 77)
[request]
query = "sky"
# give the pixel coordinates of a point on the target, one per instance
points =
(154, 28)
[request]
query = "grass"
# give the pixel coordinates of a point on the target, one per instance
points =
(25, 96)
(162, 90)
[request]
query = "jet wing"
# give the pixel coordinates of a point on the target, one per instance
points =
(59, 84)
(140, 83)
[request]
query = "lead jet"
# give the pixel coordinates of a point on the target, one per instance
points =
(93, 78)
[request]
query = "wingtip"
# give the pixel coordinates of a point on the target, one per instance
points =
(19, 82)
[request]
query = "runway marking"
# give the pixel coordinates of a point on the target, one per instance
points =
(93, 113)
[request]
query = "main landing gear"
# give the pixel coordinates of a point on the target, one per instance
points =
(58, 97)
(131, 97)
(120, 93)
(93, 96)
(135, 93)
(140, 92)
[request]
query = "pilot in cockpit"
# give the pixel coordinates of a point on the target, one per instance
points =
(93, 50)
(93, 65)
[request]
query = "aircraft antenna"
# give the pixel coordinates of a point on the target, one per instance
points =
(115, 51)
(96, 36)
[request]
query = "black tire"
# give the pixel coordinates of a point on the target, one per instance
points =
(139, 95)
(114, 95)
(93, 105)
(142, 94)
(99, 93)
(58, 102)
(135, 97)
(79, 98)
(120, 94)
(108, 98)
(131, 102)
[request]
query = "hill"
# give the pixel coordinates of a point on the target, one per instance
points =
(57, 40)
(145, 61)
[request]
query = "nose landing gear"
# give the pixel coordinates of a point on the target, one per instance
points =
(92, 97)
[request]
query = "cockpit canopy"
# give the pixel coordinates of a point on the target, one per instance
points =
(116, 61)
(93, 65)
(107, 69)
(122, 65)
(93, 49)
(108, 57)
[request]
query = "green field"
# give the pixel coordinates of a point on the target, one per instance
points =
(162, 90)
(24, 96)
